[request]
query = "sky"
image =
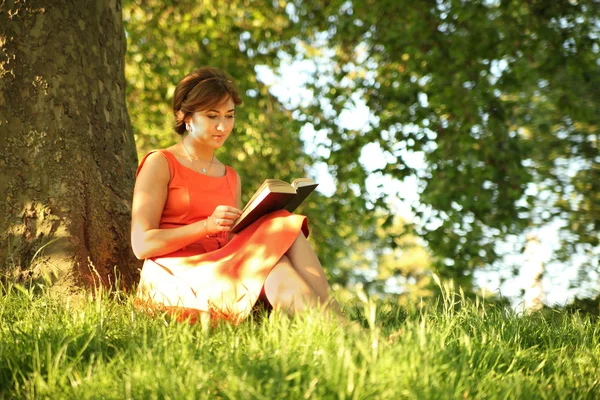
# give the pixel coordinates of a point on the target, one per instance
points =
(287, 85)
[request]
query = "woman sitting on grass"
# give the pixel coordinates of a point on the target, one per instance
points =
(184, 204)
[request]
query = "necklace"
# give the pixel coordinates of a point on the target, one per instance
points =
(204, 170)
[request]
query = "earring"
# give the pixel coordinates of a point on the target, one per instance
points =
(187, 127)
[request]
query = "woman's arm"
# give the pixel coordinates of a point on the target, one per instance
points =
(149, 197)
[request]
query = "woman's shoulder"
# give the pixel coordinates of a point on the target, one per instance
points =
(158, 156)
(155, 161)
(229, 170)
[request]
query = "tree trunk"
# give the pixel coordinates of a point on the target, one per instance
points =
(67, 154)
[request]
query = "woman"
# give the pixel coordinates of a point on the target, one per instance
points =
(184, 204)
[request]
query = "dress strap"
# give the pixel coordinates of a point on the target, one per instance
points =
(167, 154)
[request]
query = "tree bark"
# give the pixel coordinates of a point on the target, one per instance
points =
(67, 153)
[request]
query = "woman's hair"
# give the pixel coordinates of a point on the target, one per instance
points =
(201, 90)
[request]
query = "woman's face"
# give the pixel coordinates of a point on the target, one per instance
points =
(212, 127)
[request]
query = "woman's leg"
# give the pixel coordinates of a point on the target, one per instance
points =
(286, 289)
(307, 264)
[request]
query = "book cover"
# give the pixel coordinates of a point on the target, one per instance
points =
(274, 195)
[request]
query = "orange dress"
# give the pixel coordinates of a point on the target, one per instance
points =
(213, 275)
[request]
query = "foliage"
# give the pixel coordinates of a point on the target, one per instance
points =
(166, 40)
(103, 348)
(499, 97)
(401, 266)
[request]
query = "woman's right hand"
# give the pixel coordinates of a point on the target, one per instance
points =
(222, 219)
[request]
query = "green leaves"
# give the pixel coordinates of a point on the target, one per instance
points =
(493, 98)
(166, 41)
(490, 92)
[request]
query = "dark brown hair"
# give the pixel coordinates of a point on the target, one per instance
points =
(201, 90)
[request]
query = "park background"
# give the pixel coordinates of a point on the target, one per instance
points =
(447, 136)
(451, 137)
(459, 138)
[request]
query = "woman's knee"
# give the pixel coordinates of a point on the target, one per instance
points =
(284, 278)
(301, 238)
(285, 288)
(279, 274)
(301, 247)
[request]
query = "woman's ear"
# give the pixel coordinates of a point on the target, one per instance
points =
(189, 125)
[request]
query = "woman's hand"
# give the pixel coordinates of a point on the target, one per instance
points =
(222, 219)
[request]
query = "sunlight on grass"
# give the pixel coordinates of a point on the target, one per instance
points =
(104, 348)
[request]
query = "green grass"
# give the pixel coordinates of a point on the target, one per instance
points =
(103, 349)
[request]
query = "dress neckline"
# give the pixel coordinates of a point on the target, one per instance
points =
(193, 170)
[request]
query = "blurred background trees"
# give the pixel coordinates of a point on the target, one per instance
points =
(490, 108)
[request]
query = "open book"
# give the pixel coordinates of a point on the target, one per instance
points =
(274, 195)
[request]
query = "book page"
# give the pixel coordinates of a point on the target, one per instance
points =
(274, 194)
(264, 204)
(273, 185)
(299, 182)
